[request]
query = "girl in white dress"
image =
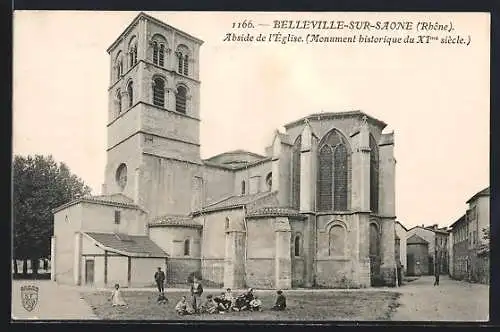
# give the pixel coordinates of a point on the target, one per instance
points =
(116, 297)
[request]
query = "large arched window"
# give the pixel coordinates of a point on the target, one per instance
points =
(187, 247)
(340, 178)
(180, 99)
(183, 59)
(325, 178)
(297, 246)
(296, 172)
(130, 92)
(336, 240)
(334, 169)
(159, 47)
(159, 92)
(132, 52)
(374, 174)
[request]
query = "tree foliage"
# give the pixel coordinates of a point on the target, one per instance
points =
(40, 184)
(486, 233)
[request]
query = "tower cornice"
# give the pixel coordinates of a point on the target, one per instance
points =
(145, 16)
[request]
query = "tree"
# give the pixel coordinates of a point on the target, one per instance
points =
(40, 184)
(486, 233)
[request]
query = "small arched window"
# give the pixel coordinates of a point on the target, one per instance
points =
(180, 99)
(118, 101)
(186, 65)
(132, 52)
(155, 52)
(119, 65)
(130, 91)
(159, 47)
(182, 60)
(187, 247)
(269, 181)
(243, 187)
(161, 55)
(297, 245)
(159, 92)
(226, 225)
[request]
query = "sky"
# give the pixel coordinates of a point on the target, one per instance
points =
(434, 97)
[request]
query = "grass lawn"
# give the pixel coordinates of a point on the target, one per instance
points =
(357, 305)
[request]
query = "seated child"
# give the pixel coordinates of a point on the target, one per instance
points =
(162, 299)
(256, 304)
(241, 303)
(116, 297)
(182, 307)
(210, 306)
(230, 300)
(222, 302)
(248, 296)
(280, 302)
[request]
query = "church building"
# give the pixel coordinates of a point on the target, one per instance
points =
(317, 209)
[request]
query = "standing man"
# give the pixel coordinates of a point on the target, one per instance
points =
(196, 291)
(436, 275)
(160, 280)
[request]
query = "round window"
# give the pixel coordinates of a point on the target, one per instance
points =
(121, 176)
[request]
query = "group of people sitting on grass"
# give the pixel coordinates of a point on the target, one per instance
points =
(225, 302)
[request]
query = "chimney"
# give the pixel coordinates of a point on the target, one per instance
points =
(435, 226)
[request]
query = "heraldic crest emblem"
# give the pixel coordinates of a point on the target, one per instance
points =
(29, 296)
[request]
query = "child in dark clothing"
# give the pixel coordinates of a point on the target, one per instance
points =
(162, 299)
(280, 302)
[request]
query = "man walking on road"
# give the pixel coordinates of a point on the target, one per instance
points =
(160, 280)
(436, 275)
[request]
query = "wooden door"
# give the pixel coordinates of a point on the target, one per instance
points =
(89, 271)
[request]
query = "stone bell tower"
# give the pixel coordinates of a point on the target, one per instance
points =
(154, 117)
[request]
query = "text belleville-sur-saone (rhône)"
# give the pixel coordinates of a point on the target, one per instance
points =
(366, 26)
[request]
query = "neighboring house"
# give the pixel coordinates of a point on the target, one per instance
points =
(437, 239)
(418, 259)
(400, 244)
(470, 249)
(316, 210)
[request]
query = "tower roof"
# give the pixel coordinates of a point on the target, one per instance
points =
(142, 15)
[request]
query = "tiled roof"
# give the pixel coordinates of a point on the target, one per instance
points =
(461, 219)
(332, 115)
(236, 152)
(174, 220)
(275, 211)
(237, 165)
(415, 239)
(484, 192)
(114, 199)
(129, 245)
(235, 201)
